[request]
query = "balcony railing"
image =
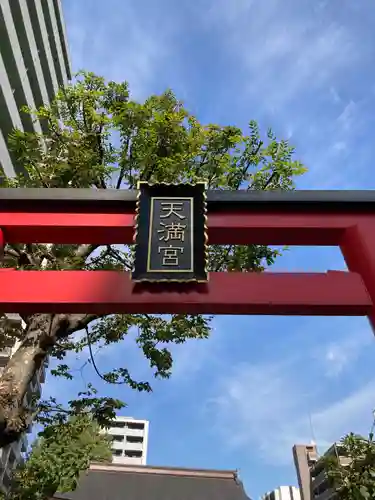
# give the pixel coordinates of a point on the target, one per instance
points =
(135, 432)
(134, 446)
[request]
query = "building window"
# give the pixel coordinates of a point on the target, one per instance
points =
(133, 453)
(134, 439)
(7, 480)
(136, 425)
(117, 438)
(3, 456)
(117, 453)
(34, 380)
(118, 425)
(12, 458)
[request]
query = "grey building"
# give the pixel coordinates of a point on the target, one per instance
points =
(34, 63)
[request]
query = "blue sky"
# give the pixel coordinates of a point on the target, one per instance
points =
(260, 384)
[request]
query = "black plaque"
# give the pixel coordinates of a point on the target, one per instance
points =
(171, 233)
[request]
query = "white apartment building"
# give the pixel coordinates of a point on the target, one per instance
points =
(129, 440)
(11, 455)
(283, 493)
(34, 63)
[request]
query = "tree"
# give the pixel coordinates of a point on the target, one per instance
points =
(99, 137)
(354, 480)
(57, 458)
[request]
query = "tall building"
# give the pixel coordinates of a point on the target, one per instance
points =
(305, 456)
(34, 63)
(283, 493)
(129, 440)
(321, 486)
(11, 455)
(311, 471)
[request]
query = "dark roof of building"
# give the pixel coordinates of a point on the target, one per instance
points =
(114, 482)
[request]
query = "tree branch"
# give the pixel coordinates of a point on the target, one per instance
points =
(118, 256)
(266, 184)
(247, 166)
(12, 252)
(123, 168)
(78, 322)
(226, 253)
(84, 118)
(270, 179)
(46, 254)
(84, 251)
(23, 257)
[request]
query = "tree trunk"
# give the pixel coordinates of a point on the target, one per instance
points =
(40, 335)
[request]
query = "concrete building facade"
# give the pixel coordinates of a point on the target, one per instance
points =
(34, 63)
(305, 456)
(283, 493)
(321, 487)
(311, 471)
(129, 441)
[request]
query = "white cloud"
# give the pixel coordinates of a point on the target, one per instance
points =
(254, 407)
(332, 146)
(334, 95)
(336, 356)
(339, 146)
(271, 406)
(116, 42)
(284, 49)
(351, 413)
(197, 356)
(347, 116)
(189, 358)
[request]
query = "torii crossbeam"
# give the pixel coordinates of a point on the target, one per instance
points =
(341, 218)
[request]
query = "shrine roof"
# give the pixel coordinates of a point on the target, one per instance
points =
(117, 482)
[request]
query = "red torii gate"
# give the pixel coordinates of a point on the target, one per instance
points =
(343, 218)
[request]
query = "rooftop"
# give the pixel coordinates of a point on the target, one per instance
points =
(116, 482)
(123, 418)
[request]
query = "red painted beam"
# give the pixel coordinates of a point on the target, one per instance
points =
(106, 292)
(2, 245)
(274, 228)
